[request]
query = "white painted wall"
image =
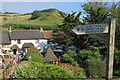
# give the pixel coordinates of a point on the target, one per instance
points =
(13, 42)
(35, 42)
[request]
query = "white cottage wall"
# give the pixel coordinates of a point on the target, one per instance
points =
(35, 42)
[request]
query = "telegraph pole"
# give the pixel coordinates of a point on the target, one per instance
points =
(110, 54)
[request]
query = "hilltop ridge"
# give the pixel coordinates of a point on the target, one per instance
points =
(47, 18)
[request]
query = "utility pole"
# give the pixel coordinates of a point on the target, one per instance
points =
(110, 54)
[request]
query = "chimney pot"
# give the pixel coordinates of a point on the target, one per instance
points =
(41, 29)
(9, 28)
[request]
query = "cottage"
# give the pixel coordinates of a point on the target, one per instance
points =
(18, 39)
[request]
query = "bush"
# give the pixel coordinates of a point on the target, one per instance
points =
(35, 55)
(92, 53)
(24, 70)
(117, 63)
(78, 72)
(29, 26)
(38, 70)
(35, 15)
(95, 68)
(70, 56)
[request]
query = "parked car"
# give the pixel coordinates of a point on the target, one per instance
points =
(58, 49)
(73, 48)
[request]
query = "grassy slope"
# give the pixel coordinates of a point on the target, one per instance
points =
(46, 19)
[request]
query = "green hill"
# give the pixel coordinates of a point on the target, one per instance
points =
(48, 19)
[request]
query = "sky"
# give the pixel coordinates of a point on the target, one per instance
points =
(59, 0)
(27, 7)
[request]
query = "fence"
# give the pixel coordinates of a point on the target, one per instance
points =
(7, 72)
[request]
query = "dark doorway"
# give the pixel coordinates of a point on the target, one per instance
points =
(14, 51)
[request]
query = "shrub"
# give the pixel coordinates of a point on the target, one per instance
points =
(35, 55)
(92, 53)
(29, 26)
(95, 68)
(35, 15)
(38, 70)
(70, 56)
(24, 70)
(77, 71)
(117, 63)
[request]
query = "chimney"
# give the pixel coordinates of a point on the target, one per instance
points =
(9, 29)
(41, 29)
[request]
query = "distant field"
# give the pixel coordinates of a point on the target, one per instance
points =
(47, 19)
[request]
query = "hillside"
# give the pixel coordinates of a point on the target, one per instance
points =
(48, 19)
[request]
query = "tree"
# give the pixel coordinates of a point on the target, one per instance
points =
(96, 12)
(70, 56)
(115, 12)
(69, 23)
(35, 15)
(35, 55)
(92, 53)
(65, 34)
(117, 63)
(5, 18)
(95, 68)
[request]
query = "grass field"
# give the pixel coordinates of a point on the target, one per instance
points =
(46, 19)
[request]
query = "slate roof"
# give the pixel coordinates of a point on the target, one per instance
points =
(26, 35)
(4, 37)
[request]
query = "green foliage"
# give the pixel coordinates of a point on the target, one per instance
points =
(117, 62)
(70, 56)
(92, 53)
(29, 26)
(38, 70)
(69, 23)
(95, 68)
(97, 12)
(5, 18)
(10, 13)
(77, 71)
(35, 15)
(116, 11)
(24, 70)
(35, 55)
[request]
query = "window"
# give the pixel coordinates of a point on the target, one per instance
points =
(78, 29)
(18, 42)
